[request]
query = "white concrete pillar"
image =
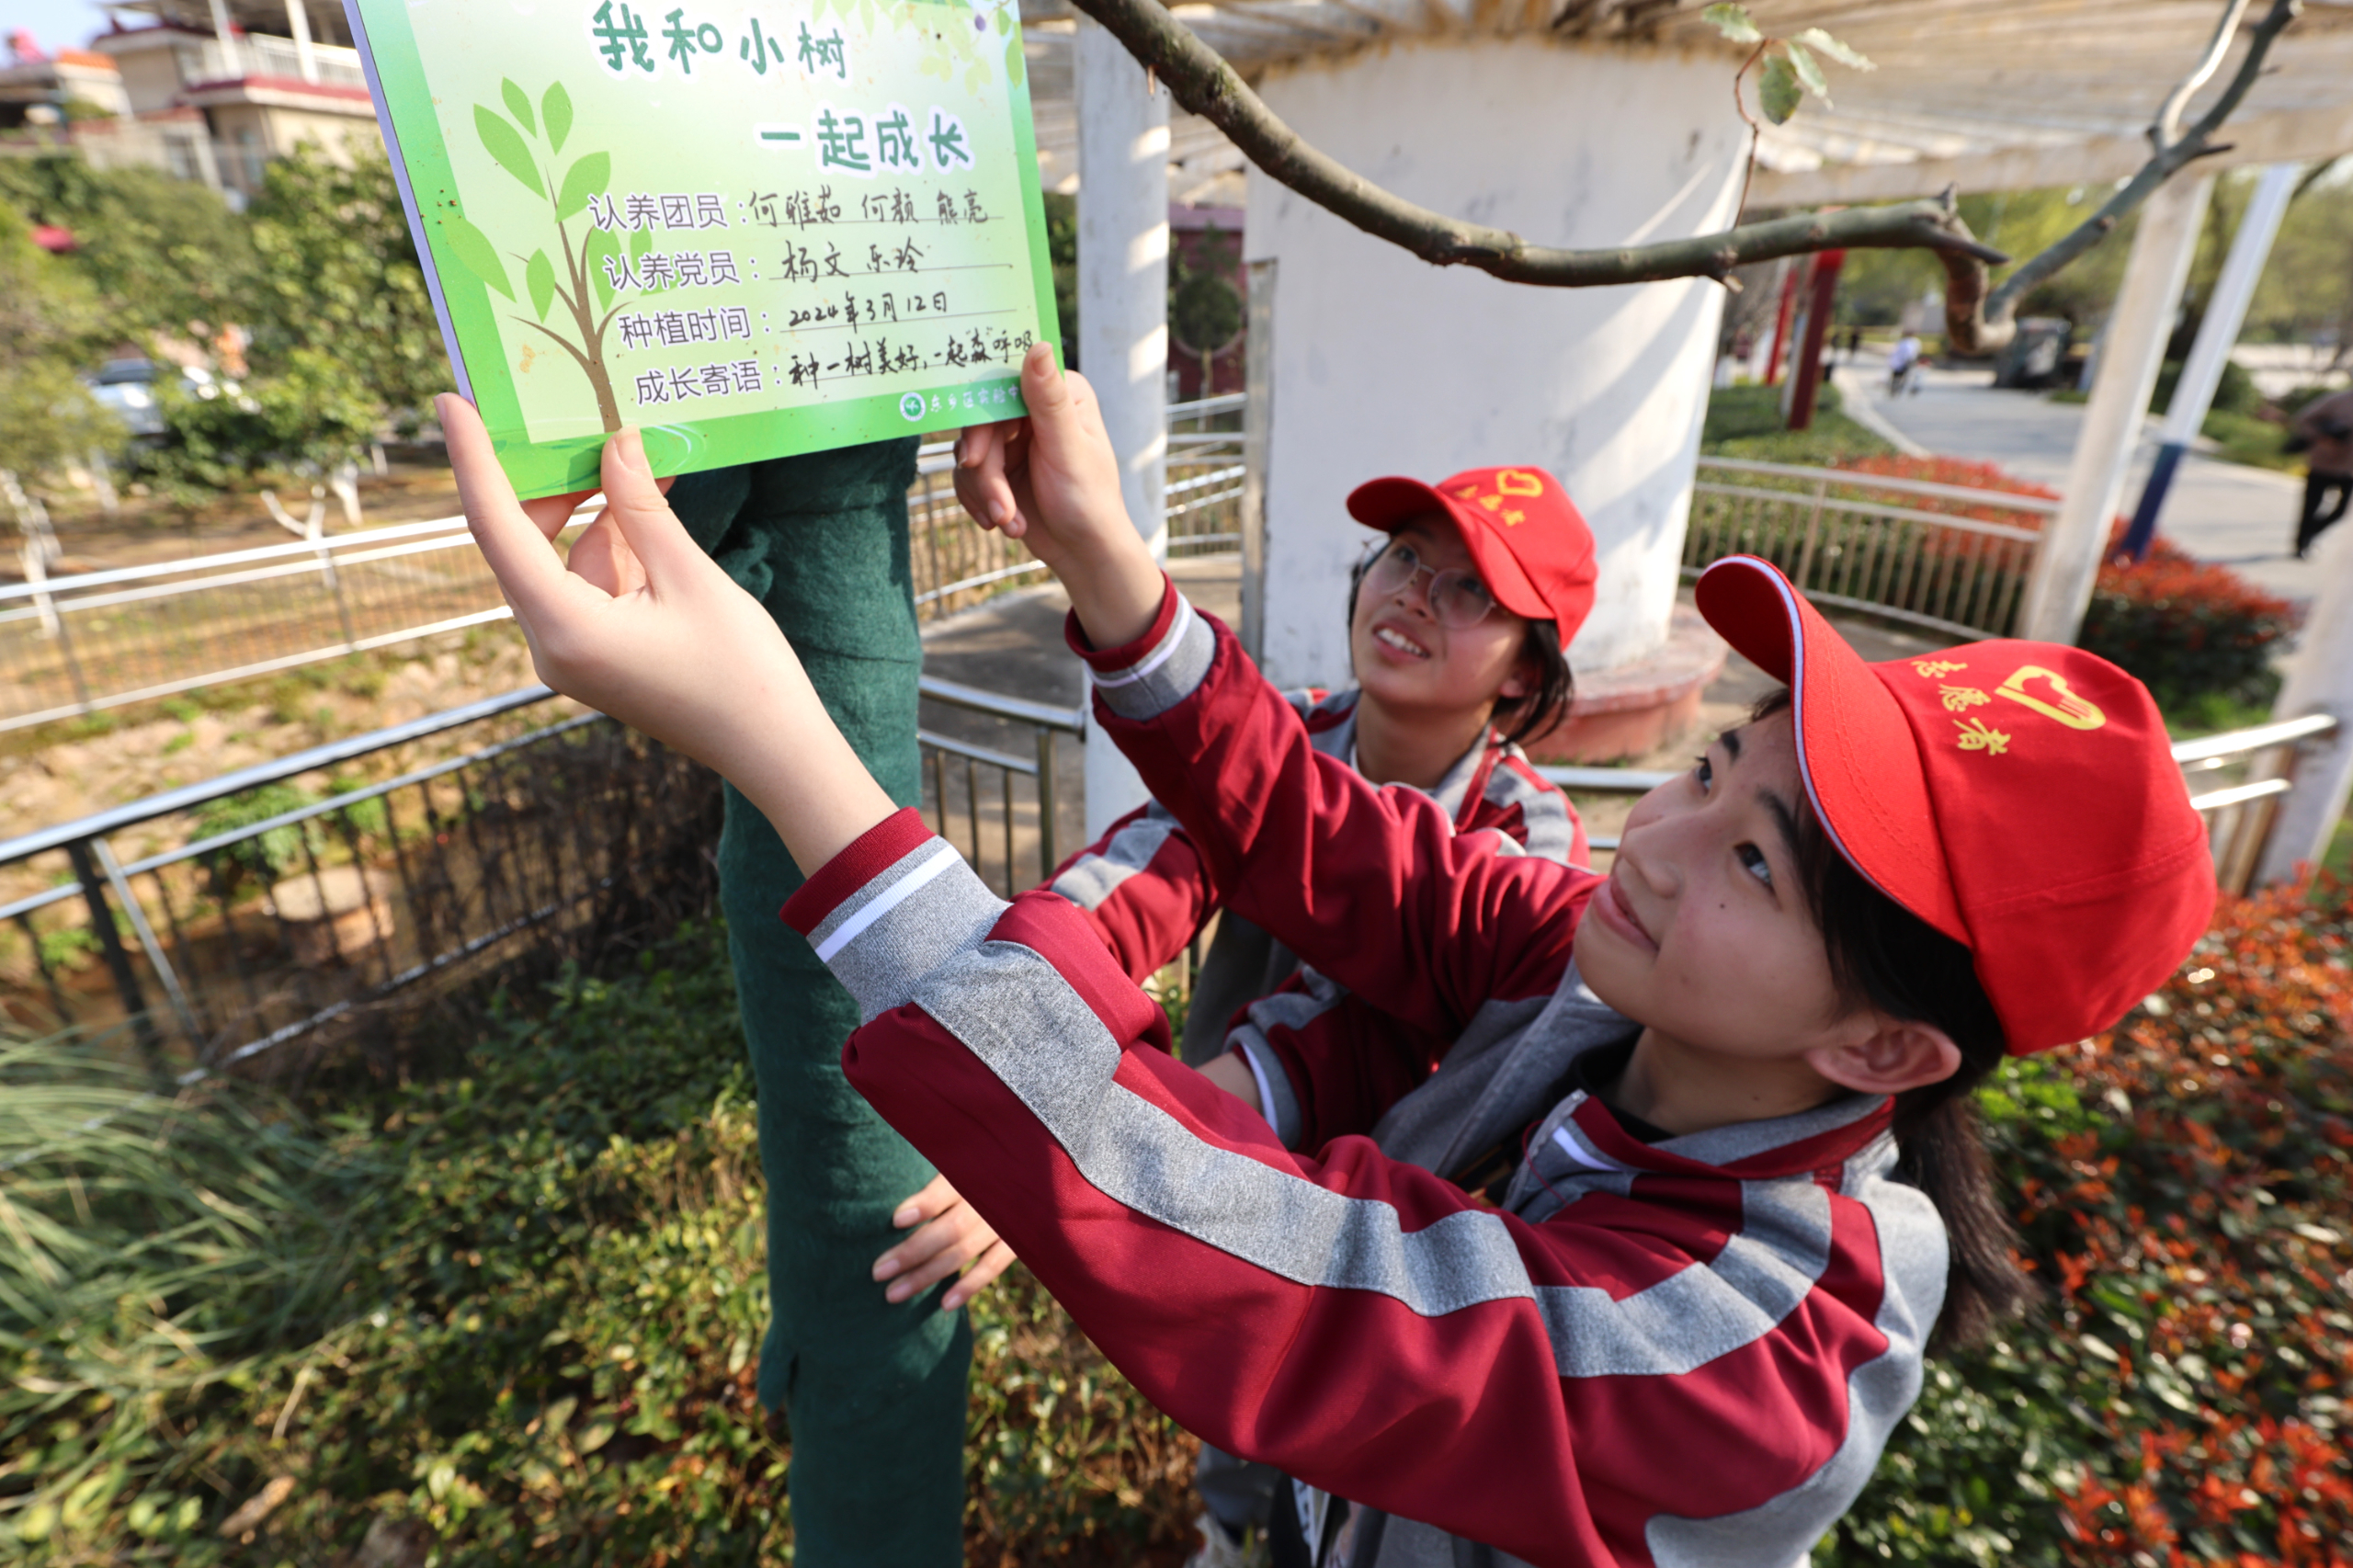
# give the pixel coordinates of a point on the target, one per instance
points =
(2132, 352)
(297, 23)
(1383, 364)
(232, 64)
(2320, 681)
(1123, 315)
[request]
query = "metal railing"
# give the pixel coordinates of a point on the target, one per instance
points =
(259, 911)
(98, 640)
(958, 565)
(264, 54)
(1941, 556)
(75, 645)
(2238, 816)
(969, 791)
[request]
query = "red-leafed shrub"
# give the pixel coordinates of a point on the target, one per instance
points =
(2185, 1189)
(2185, 627)
(1957, 471)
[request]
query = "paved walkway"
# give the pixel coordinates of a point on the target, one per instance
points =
(2239, 516)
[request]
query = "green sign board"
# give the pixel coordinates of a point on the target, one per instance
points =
(745, 230)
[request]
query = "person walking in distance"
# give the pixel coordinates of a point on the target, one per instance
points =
(2324, 429)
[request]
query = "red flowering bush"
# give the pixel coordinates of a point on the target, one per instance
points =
(2184, 1187)
(2185, 627)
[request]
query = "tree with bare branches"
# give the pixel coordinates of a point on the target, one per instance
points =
(1979, 318)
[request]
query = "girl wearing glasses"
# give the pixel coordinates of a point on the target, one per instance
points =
(1458, 629)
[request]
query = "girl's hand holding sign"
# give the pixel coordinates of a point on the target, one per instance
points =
(637, 622)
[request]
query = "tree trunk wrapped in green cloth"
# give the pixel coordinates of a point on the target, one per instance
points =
(874, 1392)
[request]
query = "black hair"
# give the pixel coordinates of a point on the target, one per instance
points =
(1884, 956)
(1521, 719)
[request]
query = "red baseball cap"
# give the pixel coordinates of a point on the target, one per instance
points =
(2020, 797)
(1533, 549)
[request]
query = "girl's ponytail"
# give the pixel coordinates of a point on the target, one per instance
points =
(1883, 954)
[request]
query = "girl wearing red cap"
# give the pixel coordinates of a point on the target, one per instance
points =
(1739, 1195)
(1458, 626)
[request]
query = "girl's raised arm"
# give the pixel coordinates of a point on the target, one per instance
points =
(1370, 886)
(637, 621)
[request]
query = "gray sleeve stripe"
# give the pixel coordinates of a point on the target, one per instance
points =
(1705, 1310)
(1172, 672)
(1092, 879)
(904, 924)
(1031, 1030)
(1170, 642)
(1782, 1529)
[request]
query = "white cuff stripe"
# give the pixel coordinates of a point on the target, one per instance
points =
(889, 900)
(1168, 646)
(1266, 1091)
(1577, 1151)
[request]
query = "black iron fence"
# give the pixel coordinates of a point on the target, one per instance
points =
(293, 901)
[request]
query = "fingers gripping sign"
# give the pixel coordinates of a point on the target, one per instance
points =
(636, 623)
(1052, 482)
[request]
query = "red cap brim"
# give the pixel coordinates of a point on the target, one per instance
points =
(1390, 503)
(1858, 752)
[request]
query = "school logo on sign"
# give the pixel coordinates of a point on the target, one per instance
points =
(911, 408)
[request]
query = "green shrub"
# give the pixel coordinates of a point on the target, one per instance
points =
(2234, 393)
(514, 1315)
(298, 424)
(2183, 1188)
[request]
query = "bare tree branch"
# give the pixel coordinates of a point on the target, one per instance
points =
(2168, 122)
(1199, 79)
(1977, 321)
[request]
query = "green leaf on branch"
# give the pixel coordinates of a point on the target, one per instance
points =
(518, 104)
(602, 243)
(555, 113)
(539, 277)
(474, 249)
(1734, 22)
(1823, 43)
(1013, 63)
(1808, 69)
(506, 144)
(1004, 19)
(587, 177)
(640, 242)
(1777, 90)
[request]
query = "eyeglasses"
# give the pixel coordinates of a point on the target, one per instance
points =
(1458, 600)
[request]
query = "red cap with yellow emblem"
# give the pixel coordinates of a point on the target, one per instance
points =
(2020, 797)
(1535, 554)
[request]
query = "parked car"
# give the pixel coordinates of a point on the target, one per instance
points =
(127, 387)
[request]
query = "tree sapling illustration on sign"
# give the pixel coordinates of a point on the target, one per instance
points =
(585, 274)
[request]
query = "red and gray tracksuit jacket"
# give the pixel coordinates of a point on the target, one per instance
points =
(1144, 889)
(1682, 1353)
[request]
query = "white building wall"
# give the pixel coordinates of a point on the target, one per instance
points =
(1383, 364)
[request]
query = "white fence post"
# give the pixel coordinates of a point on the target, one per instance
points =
(2134, 347)
(2320, 681)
